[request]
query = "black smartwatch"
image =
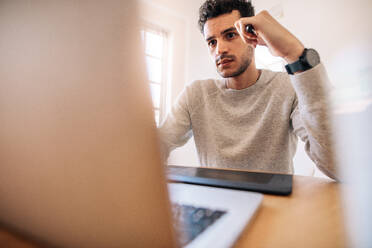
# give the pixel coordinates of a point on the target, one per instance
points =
(308, 59)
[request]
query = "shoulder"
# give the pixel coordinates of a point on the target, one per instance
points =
(277, 86)
(203, 88)
(198, 92)
(280, 81)
(276, 77)
(205, 85)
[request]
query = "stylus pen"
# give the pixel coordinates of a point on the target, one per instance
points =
(250, 29)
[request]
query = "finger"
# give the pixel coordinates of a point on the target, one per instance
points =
(238, 28)
(250, 41)
(253, 43)
(261, 42)
(241, 27)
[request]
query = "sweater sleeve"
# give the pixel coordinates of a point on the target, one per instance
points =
(310, 117)
(176, 130)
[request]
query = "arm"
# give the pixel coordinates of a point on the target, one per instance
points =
(176, 129)
(310, 115)
(271, 34)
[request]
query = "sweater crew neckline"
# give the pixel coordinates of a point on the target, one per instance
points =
(261, 80)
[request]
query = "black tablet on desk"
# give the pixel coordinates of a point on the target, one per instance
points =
(270, 183)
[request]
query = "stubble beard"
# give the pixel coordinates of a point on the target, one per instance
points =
(246, 62)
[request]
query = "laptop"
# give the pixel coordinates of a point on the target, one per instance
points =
(80, 163)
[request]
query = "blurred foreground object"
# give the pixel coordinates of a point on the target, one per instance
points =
(353, 122)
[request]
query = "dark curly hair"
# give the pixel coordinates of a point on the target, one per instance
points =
(214, 8)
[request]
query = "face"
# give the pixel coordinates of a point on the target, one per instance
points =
(230, 53)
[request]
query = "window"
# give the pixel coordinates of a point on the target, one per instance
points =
(155, 43)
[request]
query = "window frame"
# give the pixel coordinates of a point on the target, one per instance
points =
(152, 28)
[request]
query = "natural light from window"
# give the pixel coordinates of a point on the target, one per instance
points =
(154, 43)
(264, 60)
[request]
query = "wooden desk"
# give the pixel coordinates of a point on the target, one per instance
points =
(310, 217)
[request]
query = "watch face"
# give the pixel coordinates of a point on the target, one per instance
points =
(312, 57)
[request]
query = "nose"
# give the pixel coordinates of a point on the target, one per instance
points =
(221, 48)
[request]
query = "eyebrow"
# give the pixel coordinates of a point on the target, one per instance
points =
(222, 33)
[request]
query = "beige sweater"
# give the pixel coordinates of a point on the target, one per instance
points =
(255, 128)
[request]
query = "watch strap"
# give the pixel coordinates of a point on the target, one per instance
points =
(296, 66)
(299, 65)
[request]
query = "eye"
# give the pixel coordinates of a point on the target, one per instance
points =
(212, 43)
(230, 35)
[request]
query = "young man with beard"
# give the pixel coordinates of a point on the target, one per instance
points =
(251, 119)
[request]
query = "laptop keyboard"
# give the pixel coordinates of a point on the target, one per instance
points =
(190, 221)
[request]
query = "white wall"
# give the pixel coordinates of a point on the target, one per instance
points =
(176, 26)
(332, 27)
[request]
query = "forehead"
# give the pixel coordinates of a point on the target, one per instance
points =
(216, 25)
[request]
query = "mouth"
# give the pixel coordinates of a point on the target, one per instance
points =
(224, 62)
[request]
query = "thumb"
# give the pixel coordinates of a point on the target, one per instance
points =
(243, 26)
(247, 37)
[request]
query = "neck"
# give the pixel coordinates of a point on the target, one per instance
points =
(248, 78)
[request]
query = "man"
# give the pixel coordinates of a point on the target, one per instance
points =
(251, 118)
